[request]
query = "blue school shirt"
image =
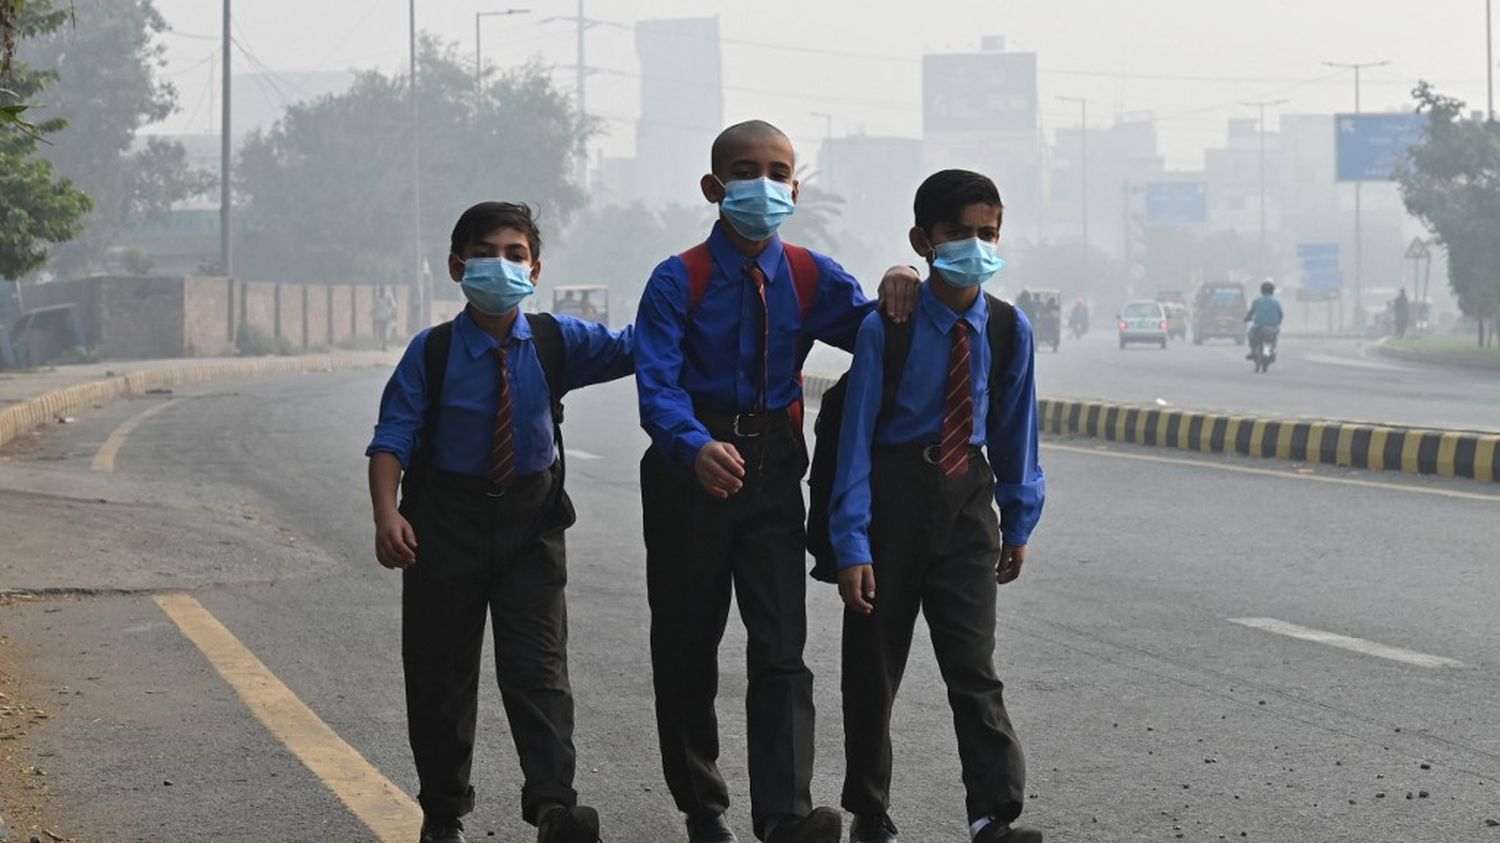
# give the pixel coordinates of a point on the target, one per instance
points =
(1005, 424)
(471, 393)
(711, 357)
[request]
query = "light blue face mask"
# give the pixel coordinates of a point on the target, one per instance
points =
(966, 263)
(495, 286)
(757, 207)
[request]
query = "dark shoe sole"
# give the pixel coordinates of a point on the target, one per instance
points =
(823, 825)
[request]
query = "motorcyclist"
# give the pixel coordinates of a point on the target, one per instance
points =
(1265, 312)
(1078, 318)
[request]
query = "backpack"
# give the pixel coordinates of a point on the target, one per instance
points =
(547, 337)
(1001, 333)
(699, 262)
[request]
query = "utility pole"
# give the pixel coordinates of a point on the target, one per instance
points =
(225, 149)
(1262, 106)
(1083, 131)
(1358, 227)
(478, 52)
(419, 285)
(1489, 59)
(583, 152)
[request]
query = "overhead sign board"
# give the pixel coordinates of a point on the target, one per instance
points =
(1372, 147)
(1320, 266)
(972, 93)
(1176, 202)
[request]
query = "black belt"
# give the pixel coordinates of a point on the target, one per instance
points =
(727, 426)
(930, 454)
(470, 484)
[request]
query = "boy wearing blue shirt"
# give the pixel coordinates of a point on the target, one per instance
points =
(913, 518)
(470, 417)
(723, 330)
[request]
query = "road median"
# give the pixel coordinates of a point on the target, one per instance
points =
(49, 405)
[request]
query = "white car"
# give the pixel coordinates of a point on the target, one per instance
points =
(1143, 321)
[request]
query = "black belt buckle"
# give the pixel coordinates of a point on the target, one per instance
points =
(500, 493)
(932, 455)
(740, 434)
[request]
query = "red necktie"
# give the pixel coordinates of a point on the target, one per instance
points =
(758, 278)
(503, 451)
(958, 413)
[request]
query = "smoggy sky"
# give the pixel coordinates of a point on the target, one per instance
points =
(1189, 61)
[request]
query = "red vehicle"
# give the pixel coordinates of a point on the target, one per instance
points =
(1219, 312)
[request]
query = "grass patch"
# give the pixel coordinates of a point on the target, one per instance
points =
(1446, 345)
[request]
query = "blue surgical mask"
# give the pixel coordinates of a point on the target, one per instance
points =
(966, 263)
(495, 286)
(757, 207)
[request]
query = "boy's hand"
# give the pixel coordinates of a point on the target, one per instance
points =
(1012, 557)
(857, 587)
(720, 469)
(898, 292)
(395, 542)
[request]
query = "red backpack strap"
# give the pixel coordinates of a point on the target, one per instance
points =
(699, 262)
(804, 275)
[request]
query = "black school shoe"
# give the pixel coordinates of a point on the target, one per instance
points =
(442, 831)
(872, 828)
(709, 829)
(569, 825)
(997, 833)
(823, 825)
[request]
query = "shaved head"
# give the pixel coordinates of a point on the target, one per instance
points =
(740, 135)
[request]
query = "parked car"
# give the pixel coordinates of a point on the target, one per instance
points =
(1143, 321)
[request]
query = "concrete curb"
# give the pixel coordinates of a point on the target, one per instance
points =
(1440, 358)
(1446, 453)
(20, 418)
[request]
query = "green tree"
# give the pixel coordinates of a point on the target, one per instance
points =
(105, 66)
(328, 191)
(1452, 184)
(37, 207)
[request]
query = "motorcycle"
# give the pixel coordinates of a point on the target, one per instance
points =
(1263, 348)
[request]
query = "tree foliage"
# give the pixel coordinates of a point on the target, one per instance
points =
(327, 192)
(1452, 184)
(105, 84)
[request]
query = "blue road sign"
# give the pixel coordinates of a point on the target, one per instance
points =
(1320, 265)
(1176, 202)
(1372, 146)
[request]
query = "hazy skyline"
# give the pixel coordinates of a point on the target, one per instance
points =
(1190, 62)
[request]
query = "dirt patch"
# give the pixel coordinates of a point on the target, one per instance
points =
(25, 789)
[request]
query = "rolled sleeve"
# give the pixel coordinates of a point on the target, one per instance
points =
(595, 354)
(666, 408)
(1013, 441)
(850, 507)
(403, 405)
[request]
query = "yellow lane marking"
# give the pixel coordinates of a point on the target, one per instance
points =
(369, 795)
(105, 459)
(1268, 472)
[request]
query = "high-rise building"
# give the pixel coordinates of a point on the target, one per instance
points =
(682, 106)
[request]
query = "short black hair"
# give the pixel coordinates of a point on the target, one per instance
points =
(484, 219)
(748, 130)
(945, 194)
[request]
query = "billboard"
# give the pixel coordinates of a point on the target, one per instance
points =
(969, 93)
(1372, 146)
(1176, 202)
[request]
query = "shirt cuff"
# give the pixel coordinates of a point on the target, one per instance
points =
(852, 551)
(402, 452)
(687, 446)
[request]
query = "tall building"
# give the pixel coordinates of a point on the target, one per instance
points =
(877, 178)
(682, 107)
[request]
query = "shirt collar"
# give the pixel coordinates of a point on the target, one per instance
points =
(732, 261)
(942, 317)
(478, 342)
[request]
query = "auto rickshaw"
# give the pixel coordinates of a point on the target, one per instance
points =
(590, 303)
(1044, 310)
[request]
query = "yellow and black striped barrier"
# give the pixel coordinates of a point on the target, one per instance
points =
(1447, 453)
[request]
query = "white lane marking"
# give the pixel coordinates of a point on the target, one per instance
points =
(1358, 645)
(574, 453)
(1351, 363)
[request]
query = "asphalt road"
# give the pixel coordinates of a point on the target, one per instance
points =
(1146, 713)
(1317, 378)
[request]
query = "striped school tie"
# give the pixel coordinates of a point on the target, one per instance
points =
(958, 415)
(503, 452)
(758, 278)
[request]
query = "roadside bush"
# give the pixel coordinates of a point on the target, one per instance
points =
(254, 342)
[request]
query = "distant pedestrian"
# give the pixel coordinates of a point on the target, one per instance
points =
(383, 315)
(1402, 311)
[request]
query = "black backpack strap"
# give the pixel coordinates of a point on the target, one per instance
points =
(547, 335)
(435, 355)
(1001, 327)
(897, 349)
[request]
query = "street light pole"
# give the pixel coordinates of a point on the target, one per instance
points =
(1083, 131)
(1489, 59)
(1358, 227)
(226, 254)
(478, 52)
(1262, 106)
(419, 285)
